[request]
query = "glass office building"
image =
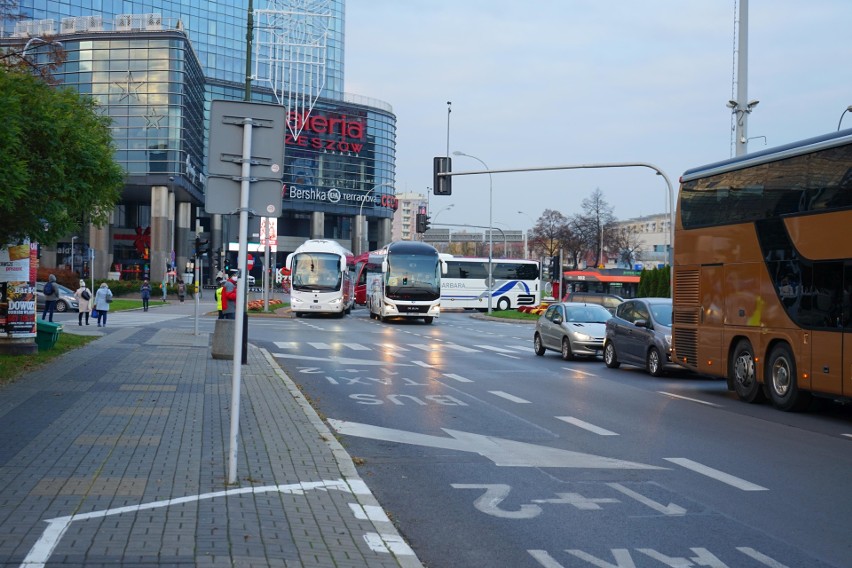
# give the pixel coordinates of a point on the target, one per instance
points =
(155, 67)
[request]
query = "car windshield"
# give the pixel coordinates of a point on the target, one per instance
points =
(662, 314)
(586, 314)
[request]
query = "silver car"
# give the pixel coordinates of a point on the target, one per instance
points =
(640, 334)
(573, 329)
(66, 302)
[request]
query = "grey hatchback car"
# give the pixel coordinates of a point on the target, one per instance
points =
(573, 329)
(640, 334)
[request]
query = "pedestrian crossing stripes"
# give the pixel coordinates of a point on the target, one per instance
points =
(135, 318)
(398, 349)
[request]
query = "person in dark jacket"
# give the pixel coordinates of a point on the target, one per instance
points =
(146, 294)
(50, 299)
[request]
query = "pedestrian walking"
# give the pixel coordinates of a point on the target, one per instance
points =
(84, 297)
(164, 286)
(229, 298)
(51, 296)
(181, 287)
(103, 298)
(146, 294)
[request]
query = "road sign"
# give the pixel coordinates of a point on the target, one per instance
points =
(227, 121)
(249, 262)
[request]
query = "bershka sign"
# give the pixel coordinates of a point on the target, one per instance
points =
(332, 132)
(335, 196)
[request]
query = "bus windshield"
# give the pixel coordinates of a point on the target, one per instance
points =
(319, 272)
(413, 277)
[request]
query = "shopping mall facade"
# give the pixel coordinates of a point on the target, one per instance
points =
(155, 73)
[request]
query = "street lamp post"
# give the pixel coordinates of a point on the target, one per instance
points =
(72, 253)
(526, 244)
(435, 215)
(362, 242)
(490, 224)
(848, 109)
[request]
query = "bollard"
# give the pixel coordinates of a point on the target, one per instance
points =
(223, 339)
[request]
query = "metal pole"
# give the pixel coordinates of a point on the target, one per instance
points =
(72, 253)
(742, 110)
(266, 284)
(196, 284)
(241, 294)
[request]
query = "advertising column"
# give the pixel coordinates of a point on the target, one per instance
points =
(18, 267)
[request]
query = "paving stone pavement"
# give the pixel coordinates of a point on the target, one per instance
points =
(116, 455)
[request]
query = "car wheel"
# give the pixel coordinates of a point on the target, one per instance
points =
(61, 306)
(567, 354)
(782, 380)
(538, 345)
(653, 363)
(742, 373)
(503, 304)
(610, 358)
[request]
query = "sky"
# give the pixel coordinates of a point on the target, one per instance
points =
(569, 82)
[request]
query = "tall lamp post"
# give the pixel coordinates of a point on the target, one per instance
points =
(526, 244)
(848, 109)
(490, 224)
(72, 253)
(362, 242)
(435, 215)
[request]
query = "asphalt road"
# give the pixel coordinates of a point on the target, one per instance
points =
(486, 455)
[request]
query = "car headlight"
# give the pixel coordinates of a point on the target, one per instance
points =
(582, 337)
(668, 341)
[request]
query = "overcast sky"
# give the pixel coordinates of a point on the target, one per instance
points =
(560, 82)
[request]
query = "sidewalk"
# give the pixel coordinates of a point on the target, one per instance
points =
(116, 454)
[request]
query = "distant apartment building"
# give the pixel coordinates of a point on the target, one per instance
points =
(404, 227)
(653, 235)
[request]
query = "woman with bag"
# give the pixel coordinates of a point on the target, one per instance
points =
(103, 298)
(83, 296)
(146, 294)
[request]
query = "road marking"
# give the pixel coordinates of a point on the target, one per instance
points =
(495, 349)
(579, 372)
(461, 348)
(42, 550)
(286, 344)
(389, 543)
(502, 452)
(847, 435)
(458, 378)
(338, 360)
(716, 474)
(509, 397)
(670, 509)
(319, 345)
(760, 557)
(586, 426)
(689, 399)
(423, 364)
(368, 512)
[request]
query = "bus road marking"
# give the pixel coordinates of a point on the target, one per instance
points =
(586, 426)
(458, 378)
(716, 474)
(689, 399)
(509, 397)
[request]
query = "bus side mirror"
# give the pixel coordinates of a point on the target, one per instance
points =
(443, 267)
(289, 263)
(342, 265)
(384, 266)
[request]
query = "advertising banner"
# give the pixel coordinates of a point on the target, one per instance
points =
(18, 268)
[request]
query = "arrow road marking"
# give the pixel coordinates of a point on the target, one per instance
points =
(717, 475)
(499, 450)
(670, 509)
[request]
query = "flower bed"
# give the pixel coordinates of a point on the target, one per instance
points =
(535, 310)
(257, 305)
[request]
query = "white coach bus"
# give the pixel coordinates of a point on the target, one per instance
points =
(321, 278)
(516, 282)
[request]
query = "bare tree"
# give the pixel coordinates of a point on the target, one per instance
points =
(547, 236)
(625, 243)
(589, 225)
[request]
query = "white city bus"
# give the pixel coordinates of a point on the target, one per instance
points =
(321, 278)
(517, 282)
(404, 280)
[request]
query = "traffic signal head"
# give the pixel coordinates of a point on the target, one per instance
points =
(442, 185)
(422, 222)
(202, 247)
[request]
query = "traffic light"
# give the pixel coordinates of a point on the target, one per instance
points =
(422, 222)
(201, 246)
(554, 267)
(442, 185)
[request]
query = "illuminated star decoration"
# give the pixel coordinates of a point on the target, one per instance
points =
(129, 88)
(153, 118)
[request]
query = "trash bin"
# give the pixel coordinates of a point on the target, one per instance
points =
(47, 334)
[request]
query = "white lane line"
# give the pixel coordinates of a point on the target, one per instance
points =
(319, 345)
(847, 435)
(760, 557)
(461, 348)
(368, 512)
(286, 344)
(509, 397)
(716, 474)
(579, 372)
(495, 349)
(689, 399)
(586, 426)
(357, 347)
(392, 346)
(458, 378)
(422, 364)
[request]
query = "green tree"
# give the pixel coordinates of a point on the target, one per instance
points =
(57, 168)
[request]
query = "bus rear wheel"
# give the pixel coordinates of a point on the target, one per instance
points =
(782, 380)
(741, 371)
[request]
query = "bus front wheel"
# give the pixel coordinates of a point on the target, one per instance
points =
(782, 380)
(742, 373)
(503, 304)
(428, 319)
